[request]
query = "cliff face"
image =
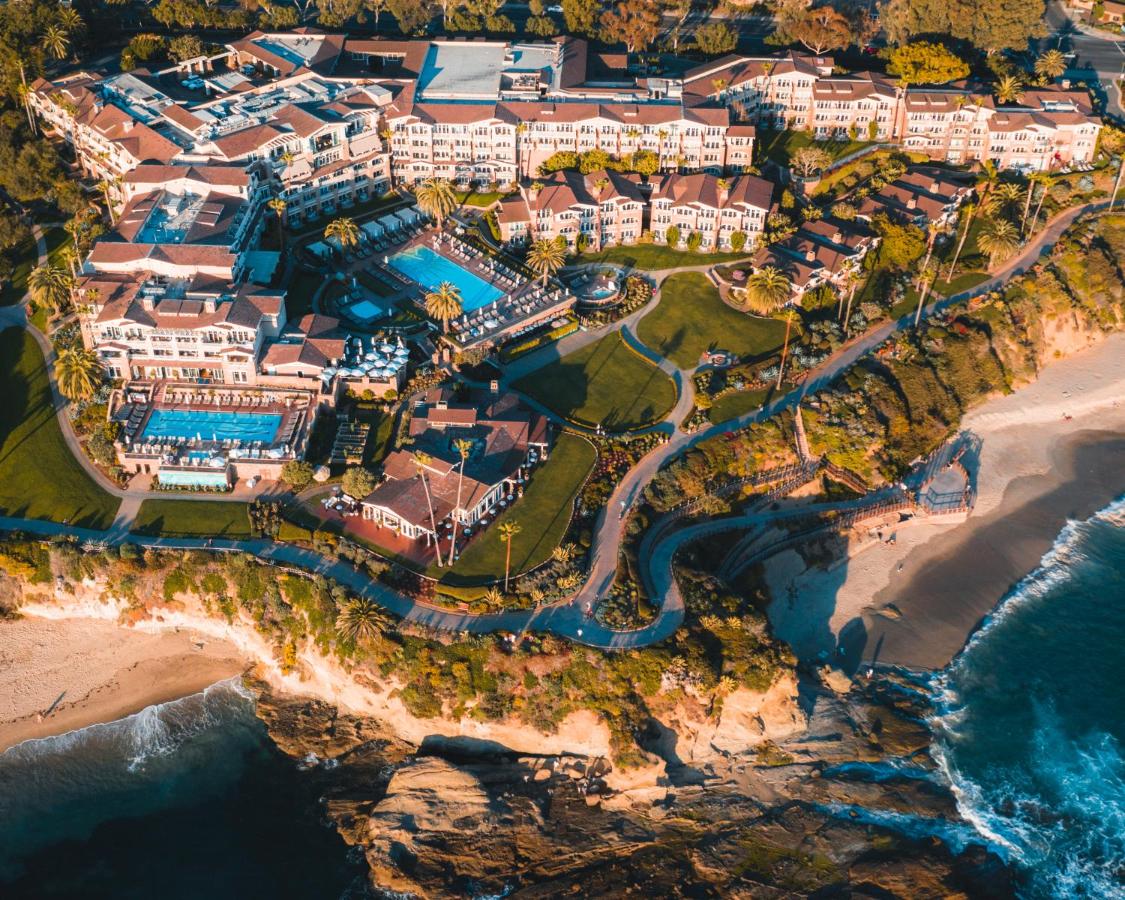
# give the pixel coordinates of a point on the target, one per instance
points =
(783, 817)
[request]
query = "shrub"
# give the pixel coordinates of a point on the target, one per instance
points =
(672, 235)
(297, 474)
(359, 482)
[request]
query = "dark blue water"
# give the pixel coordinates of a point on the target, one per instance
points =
(1031, 728)
(186, 799)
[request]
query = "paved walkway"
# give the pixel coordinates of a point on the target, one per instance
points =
(568, 618)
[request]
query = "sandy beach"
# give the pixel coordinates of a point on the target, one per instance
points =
(914, 602)
(98, 672)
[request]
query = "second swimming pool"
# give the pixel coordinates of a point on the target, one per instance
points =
(430, 269)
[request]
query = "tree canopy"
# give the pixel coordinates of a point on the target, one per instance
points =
(989, 25)
(924, 62)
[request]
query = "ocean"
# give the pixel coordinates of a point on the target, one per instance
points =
(1030, 723)
(187, 799)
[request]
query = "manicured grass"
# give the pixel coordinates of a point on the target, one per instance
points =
(691, 318)
(25, 256)
(656, 256)
(193, 518)
(779, 146)
(605, 383)
(543, 513)
(478, 198)
(39, 477)
(58, 242)
(731, 406)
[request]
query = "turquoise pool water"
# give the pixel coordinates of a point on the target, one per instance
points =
(187, 423)
(430, 269)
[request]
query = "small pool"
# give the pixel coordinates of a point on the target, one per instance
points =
(365, 311)
(430, 269)
(223, 426)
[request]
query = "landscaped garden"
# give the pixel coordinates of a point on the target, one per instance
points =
(656, 256)
(606, 383)
(193, 518)
(542, 514)
(39, 476)
(692, 318)
(780, 146)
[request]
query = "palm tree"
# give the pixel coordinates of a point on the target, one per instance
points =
(508, 530)
(999, 239)
(1051, 64)
(287, 159)
(784, 349)
(360, 618)
(968, 212)
(933, 229)
(277, 206)
(78, 373)
(1009, 89)
(421, 460)
(853, 285)
(464, 448)
(50, 286)
(56, 41)
(925, 281)
(1004, 199)
(1034, 180)
(437, 197)
(1047, 181)
(344, 230)
(545, 258)
(767, 290)
(444, 304)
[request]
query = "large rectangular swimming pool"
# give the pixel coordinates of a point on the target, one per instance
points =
(430, 269)
(189, 423)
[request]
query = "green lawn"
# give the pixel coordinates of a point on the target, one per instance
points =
(780, 146)
(25, 256)
(58, 242)
(39, 477)
(691, 318)
(543, 513)
(193, 518)
(607, 382)
(478, 198)
(656, 256)
(730, 406)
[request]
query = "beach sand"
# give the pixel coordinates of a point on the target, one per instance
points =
(915, 602)
(101, 671)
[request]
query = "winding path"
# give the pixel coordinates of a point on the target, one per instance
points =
(568, 618)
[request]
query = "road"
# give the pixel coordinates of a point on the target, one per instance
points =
(569, 618)
(1099, 54)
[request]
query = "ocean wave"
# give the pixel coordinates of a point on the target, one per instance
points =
(1033, 769)
(154, 731)
(955, 835)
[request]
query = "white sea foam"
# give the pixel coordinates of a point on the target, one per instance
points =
(1066, 824)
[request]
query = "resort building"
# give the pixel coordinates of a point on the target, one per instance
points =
(922, 195)
(714, 208)
(506, 440)
(827, 251)
(598, 210)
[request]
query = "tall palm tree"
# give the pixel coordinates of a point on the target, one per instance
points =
(464, 448)
(1047, 181)
(78, 372)
(1004, 198)
(545, 258)
(56, 41)
(287, 159)
(1034, 180)
(767, 290)
(421, 460)
(1009, 89)
(1051, 64)
(968, 211)
(933, 229)
(277, 207)
(853, 285)
(360, 618)
(444, 304)
(999, 239)
(508, 530)
(344, 230)
(784, 349)
(925, 282)
(50, 286)
(437, 197)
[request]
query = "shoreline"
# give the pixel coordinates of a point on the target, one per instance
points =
(916, 602)
(95, 671)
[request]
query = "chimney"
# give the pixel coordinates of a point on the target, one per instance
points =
(837, 238)
(810, 255)
(1065, 83)
(494, 386)
(912, 203)
(148, 302)
(209, 305)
